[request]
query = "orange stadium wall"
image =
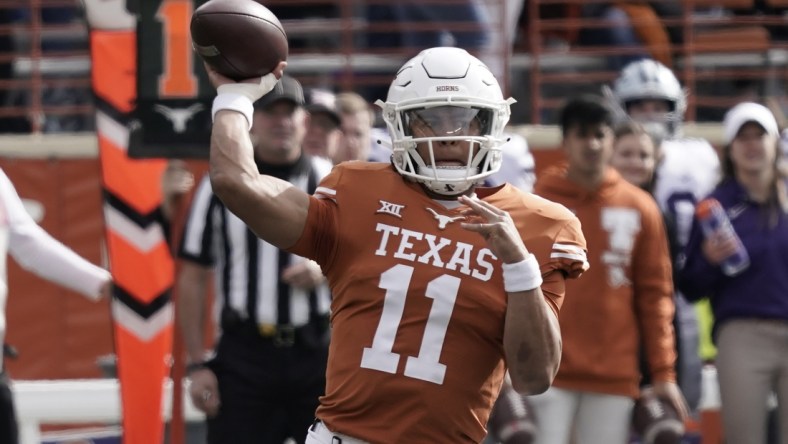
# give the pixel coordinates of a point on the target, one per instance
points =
(59, 333)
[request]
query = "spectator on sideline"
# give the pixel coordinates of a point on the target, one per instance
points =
(357, 118)
(783, 162)
(649, 93)
(269, 367)
(623, 301)
(636, 155)
(323, 127)
(38, 252)
(751, 308)
(518, 167)
(436, 288)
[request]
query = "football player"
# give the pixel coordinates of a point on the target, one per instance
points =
(649, 93)
(517, 167)
(438, 285)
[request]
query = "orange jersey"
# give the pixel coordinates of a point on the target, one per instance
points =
(419, 305)
(625, 301)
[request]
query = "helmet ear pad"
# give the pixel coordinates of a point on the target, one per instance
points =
(445, 77)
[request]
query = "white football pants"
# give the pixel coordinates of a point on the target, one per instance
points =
(319, 434)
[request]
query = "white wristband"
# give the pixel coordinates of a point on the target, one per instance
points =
(240, 97)
(233, 102)
(522, 276)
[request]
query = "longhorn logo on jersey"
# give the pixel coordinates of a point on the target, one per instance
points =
(443, 221)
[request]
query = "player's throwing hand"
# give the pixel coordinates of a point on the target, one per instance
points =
(497, 227)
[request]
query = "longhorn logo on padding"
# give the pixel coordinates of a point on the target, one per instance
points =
(178, 116)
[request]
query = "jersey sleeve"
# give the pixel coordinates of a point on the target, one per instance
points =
(318, 240)
(568, 253)
(568, 259)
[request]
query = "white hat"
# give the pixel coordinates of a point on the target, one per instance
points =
(745, 112)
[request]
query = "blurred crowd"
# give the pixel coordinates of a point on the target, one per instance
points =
(626, 30)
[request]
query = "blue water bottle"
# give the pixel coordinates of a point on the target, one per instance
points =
(713, 219)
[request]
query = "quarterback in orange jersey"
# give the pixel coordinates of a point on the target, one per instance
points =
(439, 285)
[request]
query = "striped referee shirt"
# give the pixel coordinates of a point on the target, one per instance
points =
(247, 269)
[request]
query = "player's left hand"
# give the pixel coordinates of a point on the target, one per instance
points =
(305, 275)
(670, 392)
(496, 227)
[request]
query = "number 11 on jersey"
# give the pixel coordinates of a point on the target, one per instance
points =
(426, 366)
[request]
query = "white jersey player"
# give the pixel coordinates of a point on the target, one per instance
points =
(517, 167)
(688, 172)
(648, 92)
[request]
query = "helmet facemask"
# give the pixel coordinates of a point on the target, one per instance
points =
(440, 128)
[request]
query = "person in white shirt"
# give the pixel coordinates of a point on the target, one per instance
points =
(518, 167)
(36, 251)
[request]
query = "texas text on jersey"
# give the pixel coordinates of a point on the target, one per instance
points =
(416, 295)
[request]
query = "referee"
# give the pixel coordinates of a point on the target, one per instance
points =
(268, 370)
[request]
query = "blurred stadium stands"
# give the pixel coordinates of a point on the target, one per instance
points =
(721, 57)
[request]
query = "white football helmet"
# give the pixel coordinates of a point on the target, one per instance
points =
(648, 80)
(437, 83)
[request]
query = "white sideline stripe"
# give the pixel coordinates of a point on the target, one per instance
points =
(142, 328)
(112, 130)
(145, 239)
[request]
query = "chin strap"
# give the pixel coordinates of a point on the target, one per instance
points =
(451, 187)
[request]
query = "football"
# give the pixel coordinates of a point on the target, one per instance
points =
(512, 420)
(240, 39)
(656, 421)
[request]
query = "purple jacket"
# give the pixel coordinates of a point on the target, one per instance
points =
(761, 291)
